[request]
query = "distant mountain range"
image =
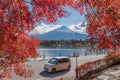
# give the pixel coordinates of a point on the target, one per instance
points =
(59, 32)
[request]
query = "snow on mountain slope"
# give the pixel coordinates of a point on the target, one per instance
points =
(79, 28)
(61, 33)
(43, 28)
(57, 32)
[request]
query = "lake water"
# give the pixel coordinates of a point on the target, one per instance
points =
(54, 52)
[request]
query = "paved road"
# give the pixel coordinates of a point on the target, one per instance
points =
(66, 75)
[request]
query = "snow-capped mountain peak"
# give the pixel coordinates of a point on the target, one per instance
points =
(43, 28)
(62, 33)
(79, 28)
(57, 32)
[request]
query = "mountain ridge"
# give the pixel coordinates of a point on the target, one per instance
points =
(61, 33)
(44, 28)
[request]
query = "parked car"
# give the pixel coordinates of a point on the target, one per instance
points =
(58, 64)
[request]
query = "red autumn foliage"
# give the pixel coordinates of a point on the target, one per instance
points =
(103, 22)
(16, 20)
(89, 68)
(103, 25)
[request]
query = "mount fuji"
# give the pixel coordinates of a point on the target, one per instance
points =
(51, 32)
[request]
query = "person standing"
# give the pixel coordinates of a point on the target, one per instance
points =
(43, 56)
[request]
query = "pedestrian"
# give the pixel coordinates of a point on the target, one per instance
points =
(59, 54)
(74, 54)
(43, 56)
(85, 53)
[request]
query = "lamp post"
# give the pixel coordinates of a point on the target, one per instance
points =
(76, 66)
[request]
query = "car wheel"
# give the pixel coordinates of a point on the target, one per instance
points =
(68, 68)
(53, 70)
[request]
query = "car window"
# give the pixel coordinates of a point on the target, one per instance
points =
(53, 61)
(64, 60)
(59, 61)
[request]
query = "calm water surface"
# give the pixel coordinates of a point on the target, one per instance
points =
(54, 52)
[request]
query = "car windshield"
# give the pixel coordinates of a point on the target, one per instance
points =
(53, 61)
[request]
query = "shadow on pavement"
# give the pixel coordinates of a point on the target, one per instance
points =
(52, 75)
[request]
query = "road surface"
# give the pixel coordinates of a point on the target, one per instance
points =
(37, 66)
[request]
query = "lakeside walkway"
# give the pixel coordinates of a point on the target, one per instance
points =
(39, 73)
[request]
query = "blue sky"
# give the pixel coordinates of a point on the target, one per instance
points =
(74, 18)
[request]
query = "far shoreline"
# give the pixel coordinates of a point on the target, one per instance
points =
(44, 47)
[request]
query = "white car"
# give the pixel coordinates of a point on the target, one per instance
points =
(58, 64)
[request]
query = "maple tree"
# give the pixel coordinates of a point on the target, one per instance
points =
(104, 26)
(17, 18)
(103, 22)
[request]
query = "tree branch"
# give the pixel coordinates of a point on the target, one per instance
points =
(20, 14)
(95, 13)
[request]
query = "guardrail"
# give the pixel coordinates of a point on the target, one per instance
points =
(93, 67)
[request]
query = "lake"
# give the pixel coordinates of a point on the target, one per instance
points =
(54, 52)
